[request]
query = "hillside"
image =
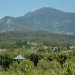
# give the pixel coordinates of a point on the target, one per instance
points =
(40, 37)
(47, 19)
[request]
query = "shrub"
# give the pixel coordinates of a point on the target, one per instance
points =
(43, 65)
(61, 59)
(26, 65)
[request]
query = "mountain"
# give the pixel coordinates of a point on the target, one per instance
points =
(47, 19)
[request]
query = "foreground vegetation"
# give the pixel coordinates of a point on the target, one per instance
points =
(42, 55)
(55, 63)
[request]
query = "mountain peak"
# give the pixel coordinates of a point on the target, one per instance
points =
(44, 11)
(33, 10)
(46, 18)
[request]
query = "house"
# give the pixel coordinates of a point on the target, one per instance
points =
(19, 57)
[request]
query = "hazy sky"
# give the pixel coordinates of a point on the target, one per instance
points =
(20, 7)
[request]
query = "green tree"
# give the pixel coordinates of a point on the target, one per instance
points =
(35, 58)
(61, 59)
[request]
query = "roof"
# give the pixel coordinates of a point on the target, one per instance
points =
(19, 57)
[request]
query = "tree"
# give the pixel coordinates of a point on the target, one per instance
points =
(5, 61)
(35, 58)
(69, 70)
(61, 59)
(41, 50)
(50, 58)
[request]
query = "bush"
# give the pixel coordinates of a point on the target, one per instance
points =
(43, 65)
(61, 59)
(26, 65)
(46, 65)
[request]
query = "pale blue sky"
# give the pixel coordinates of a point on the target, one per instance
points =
(20, 7)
